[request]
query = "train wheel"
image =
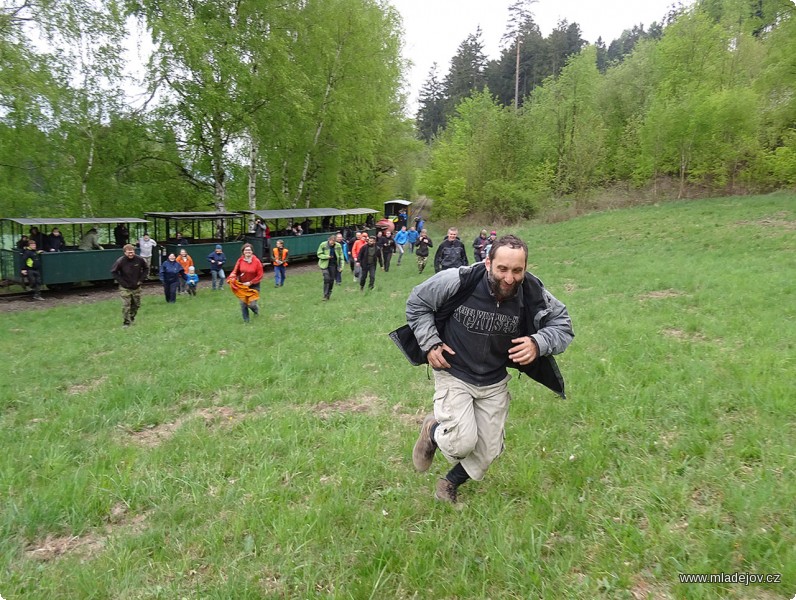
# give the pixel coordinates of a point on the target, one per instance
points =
(103, 283)
(60, 287)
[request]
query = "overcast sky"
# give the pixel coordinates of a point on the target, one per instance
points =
(435, 28)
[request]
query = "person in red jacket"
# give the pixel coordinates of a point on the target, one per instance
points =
(244, 281)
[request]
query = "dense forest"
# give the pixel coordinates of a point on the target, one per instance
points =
(705, 102)
(247, 103)
(274, 104)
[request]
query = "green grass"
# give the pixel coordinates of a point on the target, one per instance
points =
(193, 457)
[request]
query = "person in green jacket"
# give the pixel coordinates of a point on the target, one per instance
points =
(330, 261)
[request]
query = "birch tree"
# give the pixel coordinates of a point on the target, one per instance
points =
(207, 63)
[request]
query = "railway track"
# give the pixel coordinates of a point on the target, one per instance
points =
(17, 300)
(61, 294)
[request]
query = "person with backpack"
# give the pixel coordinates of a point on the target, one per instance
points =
(471, 324)
(330, 261)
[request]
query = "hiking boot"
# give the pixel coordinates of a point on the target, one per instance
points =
(423, 452)
(446, 491)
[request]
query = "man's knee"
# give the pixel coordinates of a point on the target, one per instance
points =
(457, 440)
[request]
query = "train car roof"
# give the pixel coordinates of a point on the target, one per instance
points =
(360, 211)
(294, 213)
(399, 201)
(187, 216)
(97, 221)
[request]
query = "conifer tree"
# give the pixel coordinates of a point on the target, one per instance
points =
(467, 72)
(431, 113)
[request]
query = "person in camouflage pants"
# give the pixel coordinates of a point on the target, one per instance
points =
(423, 244)
(130, 271)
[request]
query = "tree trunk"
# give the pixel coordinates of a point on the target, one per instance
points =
(84, 201)
(319, 126)
(253, 175)
(220, 192)
(683, 170)
(285, 182)
(307, 158)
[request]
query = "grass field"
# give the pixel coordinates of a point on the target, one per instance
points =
(191, 456)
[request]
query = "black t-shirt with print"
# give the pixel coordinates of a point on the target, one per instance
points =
(480, 332)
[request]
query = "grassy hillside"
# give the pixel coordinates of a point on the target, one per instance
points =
(194, 457)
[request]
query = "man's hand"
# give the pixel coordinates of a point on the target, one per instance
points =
(524, 351)
(436, 358)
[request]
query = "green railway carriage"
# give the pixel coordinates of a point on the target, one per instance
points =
(202, 231)
(71, 265)
(317, 225)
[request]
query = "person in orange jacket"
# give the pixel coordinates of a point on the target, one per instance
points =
(280, 262)
(360, 241)
(186, 262)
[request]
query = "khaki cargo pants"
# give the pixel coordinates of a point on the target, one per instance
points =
(471, 421)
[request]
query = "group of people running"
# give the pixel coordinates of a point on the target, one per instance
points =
(362, 252)
(178, 275)
(365, 253)
(468, 323)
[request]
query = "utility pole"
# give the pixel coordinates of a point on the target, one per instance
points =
(517, 77)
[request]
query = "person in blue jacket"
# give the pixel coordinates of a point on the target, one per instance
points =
(171, 272)
(217, 259)
(192, 280)
(411, 237)
(401, 239)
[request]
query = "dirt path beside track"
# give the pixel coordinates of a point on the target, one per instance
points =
(91, 294)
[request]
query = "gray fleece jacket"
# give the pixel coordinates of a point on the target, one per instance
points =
(545, 319)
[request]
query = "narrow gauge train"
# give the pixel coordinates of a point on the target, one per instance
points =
(316, 224)
(199, 232)
(60, 270)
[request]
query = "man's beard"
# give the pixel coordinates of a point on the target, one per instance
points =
(499, 293)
